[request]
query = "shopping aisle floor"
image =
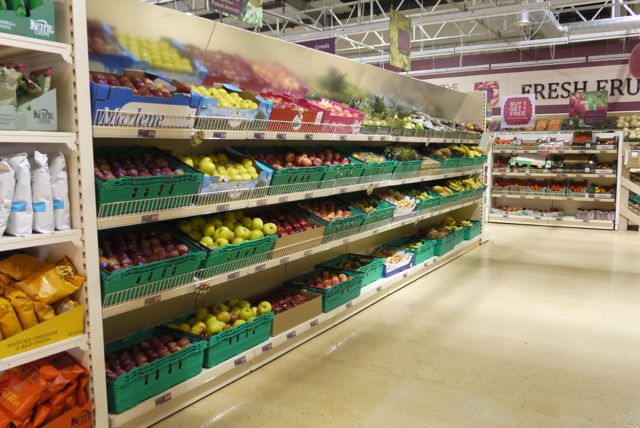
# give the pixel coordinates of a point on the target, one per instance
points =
(538, 328)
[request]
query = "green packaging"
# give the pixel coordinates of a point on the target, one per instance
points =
(35, 3)
(3, 5)
(18, 7)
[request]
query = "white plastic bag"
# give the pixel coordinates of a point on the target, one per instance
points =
(41, 191)
(21, 216)
(7, 186)
(60, 192)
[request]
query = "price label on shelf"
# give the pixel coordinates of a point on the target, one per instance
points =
(308, 137)
(379, 289)
(163, 399)
(267, 347)
(370, 137)
(343, 138)
(314, 323)
(343, 190)
(284, 260)
(149, 218)
(222, 207)
(146, 133)
(258, 135)
(308, 195)
(291, 335)
(240, 361)
(152, 300)
(281, 136)
(308, 253)
(283, 199)
(349, 304)
(233, 275)
(197, 138)
(220, 135)
(261, 267)
(261, 202)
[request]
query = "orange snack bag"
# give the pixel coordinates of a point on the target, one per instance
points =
(55, 404)
(69, 368)
(20, 266)
(23, 306)
(9, 323)
(4, 420)
(52, 282)
(19, 397)
(44, 312)
(82, 390)
(4, 281)
(40, 415)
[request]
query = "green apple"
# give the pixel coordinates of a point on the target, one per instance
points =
(214, 328)
(195, 235)
(246, 222)
(254, 309)
(270, 229)
(229, 224)
(238, 323)
(184, 226)
(207, 241)
(221, 242)
(237, 241)
(201, 313)
(264, 307)
(198, 330)
(229, 216)
(256, 234)
(219, 307)
(197, 223)
(209, 229)
(224, 233)
(244, 304)
(257, 224)
(209, 317)
(217, 223)
(233, 302)
(192, 321)
(242, 232)
(224, 316)
(187, 160)
(173, 326)
(184, 327)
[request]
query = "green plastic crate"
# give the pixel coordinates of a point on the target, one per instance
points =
(447, 163)
(383, 211)
(458, 237)
(334, 296)
(219, 260)
(372, 168)
(229, 343)
(135, 276)
(432, 202)
(405, 167)
(421, 254)
(445, 245)
(472, 231)
(128, 189)
(372, 271)
(141, 383)
(335, 226)
(347, 174)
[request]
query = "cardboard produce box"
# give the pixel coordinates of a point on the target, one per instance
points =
(293, 317)
(298, 241)
(39, 114)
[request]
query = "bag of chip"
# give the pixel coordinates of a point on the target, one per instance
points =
(21, 395)
(20, 266)
(7, 186)
(21, 217)
(9, 78)
(9, 323)
(44, 312)
(4, 420)
(23, 306)
(82, 390)
(42, 199)
(52, 282)
(65, 305)
(60, 192)
(68, 367)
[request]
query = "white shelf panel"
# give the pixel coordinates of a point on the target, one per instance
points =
(14, 45)
(215, 205)
(630, 185)
(37, 239)
(39, 137)
(210, 380)
(79, 341)
(630, 215)
(146, 299)
(551, 175)
(566, 221)
(100, 131)
(552, 198)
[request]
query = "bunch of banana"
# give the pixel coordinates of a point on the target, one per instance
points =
(456, 185)
(418, 194)
(449, 223)
(465, 223)
(442, 190)
(465, 151)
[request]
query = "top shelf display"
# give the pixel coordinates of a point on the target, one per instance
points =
(565, 142)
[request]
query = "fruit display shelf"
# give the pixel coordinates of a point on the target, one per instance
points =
(39, 137)
(204, 279)
(79, 341)
(217, 128)
(551, 175)
(566, 221)
(39, 239)
(13, 45)
(210, 380)
(554, 150)
(552, 198)
(145, 211)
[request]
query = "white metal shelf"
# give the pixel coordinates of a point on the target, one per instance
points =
(80, 341)
(147, 294)
(240, 199)
(630, 185)
(554, 151)
(38, 239)
(550, 175)
(551, 198)
(566, 221)
(630, 215)
(39, 137)
(14, 45)
(210, 380)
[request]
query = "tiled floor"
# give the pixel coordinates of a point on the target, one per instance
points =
(538, 328)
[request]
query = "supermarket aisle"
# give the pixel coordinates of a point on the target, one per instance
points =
(539, 328)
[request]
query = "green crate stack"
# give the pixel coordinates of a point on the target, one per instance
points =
(472, 231)
(371, 271)
(229, 343)
(407, 166)
(445, 245)
(144, 382)
(336, 295)
(135, 276)
(371, 168)
(347, 174)
(383, 211)
(129, 189)
(340, 225)
(420, 254)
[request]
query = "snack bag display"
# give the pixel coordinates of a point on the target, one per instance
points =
(23, 306)
(60, 192)
(7, 186)
(21, 216)
(9, 323)
(52, 283)
(20, 266)
(42, 199)
(43, 312)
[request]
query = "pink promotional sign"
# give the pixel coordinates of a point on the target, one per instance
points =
(518, 110)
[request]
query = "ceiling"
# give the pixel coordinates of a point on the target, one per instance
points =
(439, 27)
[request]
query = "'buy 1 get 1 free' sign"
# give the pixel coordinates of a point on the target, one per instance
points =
(517, 110)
